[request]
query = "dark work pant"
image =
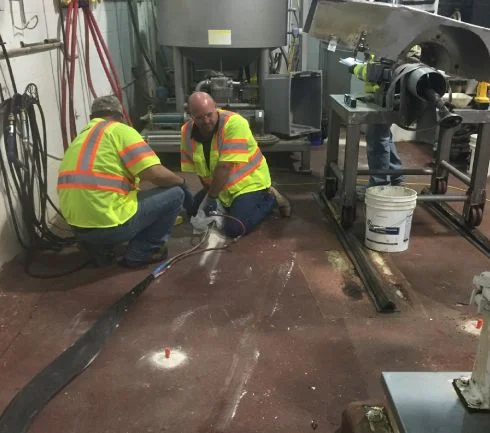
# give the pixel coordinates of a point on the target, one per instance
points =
(250, 208)
(146, 231)
(382, 154)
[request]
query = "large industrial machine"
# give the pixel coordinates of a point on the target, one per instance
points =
(224, 48)
(410, 94)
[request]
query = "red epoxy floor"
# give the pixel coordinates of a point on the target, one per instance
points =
(271, 335)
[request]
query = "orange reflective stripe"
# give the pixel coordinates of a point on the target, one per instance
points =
(86, 157)
(93, 187)
(234, 148)
(235, 140)
(135, 153)
(94, 180)
(139, 158)
(187, 133)
(243, 170)
(96, 174)
(185, 158)
(184, 128)
(226, 117)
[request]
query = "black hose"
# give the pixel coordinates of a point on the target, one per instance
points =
(24, 170)
(283, 52)
(18, 415)
(9, 66)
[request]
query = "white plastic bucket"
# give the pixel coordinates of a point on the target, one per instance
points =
(389, 211)
(473, 139)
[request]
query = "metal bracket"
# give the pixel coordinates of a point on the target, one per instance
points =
(475, 391)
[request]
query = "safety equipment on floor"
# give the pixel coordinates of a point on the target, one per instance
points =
(210, 206)
(201, 220)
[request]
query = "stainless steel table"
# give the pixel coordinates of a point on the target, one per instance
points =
(343, 180)
(170, 142)
(428, 403)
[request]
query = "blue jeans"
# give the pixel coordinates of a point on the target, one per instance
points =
(146, 231)
(250, 208)
(382, 154)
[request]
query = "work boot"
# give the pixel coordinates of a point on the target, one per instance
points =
(157, 256)
(283, 203)
(100, 256)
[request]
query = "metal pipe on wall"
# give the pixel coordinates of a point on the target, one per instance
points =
(16, 52)
(263, 72)
(305, 5)
(179, 80)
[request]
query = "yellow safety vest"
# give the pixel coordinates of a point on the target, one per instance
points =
(232, 142)
(98, 175)
(360, 71)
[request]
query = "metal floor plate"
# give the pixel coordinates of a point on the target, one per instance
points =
(428, 403)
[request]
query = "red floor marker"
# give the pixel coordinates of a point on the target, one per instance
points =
(167, 352)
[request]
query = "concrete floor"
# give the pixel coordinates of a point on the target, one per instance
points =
(267, 337)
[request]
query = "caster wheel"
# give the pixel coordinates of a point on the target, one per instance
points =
(441, 186)
(348, 216)
(474, 216)
(330, 189)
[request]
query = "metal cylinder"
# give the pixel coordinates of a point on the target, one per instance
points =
(222, 34)
(263, 73)
(229, 24)
(422, 79)
(179, 79)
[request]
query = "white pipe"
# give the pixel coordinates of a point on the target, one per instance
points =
(16, 52)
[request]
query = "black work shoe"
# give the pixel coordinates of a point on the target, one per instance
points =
(157, 257)
(100, 256)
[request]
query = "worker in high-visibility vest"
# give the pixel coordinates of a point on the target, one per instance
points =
(220, 148)
(380, 145)
(99, 195)
(382, 153)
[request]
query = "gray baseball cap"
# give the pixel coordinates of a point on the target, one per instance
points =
(106, 103)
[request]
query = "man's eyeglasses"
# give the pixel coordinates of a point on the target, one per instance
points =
(203, 117)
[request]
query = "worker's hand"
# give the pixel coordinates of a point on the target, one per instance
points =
(211, 205)
(188, 198)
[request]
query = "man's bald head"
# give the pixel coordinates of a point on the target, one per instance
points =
(200, 99)
(202, 108)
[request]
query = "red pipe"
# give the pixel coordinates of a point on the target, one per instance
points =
(99, 51)
(87, 56)
(118, 90)
(106, 52)
(70, 62)
(64, 134)
(73, 52)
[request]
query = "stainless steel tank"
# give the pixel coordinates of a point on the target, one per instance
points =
(222, 33)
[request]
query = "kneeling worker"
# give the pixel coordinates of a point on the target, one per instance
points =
(220, 148)
(98, 194)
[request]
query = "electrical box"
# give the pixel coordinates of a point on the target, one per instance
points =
(293, 103)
